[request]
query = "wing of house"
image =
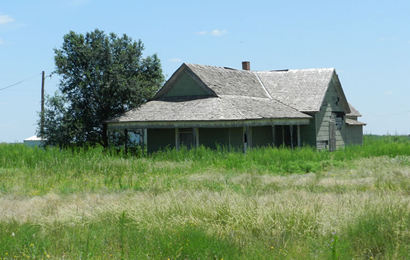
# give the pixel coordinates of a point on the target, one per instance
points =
(210, 106)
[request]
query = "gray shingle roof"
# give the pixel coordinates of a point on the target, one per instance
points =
(301, 89)
(353, 111)
(350, 121)
(226, 81)
(225, 107)
(240, 94)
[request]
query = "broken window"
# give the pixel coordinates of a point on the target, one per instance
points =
(339, 116)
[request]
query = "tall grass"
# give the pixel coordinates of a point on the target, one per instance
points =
(35, 171)
(185, 225)
(269, 203)
(276, 160)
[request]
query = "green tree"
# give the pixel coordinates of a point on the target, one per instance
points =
(102, 76)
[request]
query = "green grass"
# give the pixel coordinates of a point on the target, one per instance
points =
(204, 204)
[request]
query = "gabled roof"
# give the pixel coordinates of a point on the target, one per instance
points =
(227, 81)
(353, 111)
(34, 138)
(240, 94)
(225, 107)
(302, 89)
(350, 121)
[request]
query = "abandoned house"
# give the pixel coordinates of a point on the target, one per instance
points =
(239, 109)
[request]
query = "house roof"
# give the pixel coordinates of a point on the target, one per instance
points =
(239, 95)
(34, 138)
(350, 121)
(227, 81)
(301, 89)
(353, 111)
(224, 107)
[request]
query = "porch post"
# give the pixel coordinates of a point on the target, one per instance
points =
(143, 141)
(177, 139)
(291, 136)
(245, 144)
(249, 135)
(299, 141)
(283, 135)
(126, 141)
(273, 135)
(196, 136)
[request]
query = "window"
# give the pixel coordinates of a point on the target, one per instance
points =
(339, 120)
(186, 137)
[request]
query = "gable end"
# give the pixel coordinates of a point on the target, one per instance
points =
(184, 83)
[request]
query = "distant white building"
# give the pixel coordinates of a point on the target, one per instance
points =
(34, 141)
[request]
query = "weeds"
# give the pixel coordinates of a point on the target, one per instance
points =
(203, 204)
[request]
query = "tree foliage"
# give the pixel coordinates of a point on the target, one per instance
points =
(102, 76)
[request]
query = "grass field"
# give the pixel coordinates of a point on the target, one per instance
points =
(266, 204)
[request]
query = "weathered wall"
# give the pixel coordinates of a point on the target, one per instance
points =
(160, 138)
(262, 136)
(308, 133)
(331, 103)
(185, 85)
(228, 137)
(354, 135)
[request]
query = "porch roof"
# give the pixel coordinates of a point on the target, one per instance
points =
(209, 109)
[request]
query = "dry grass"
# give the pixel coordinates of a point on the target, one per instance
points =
(356, 190)
(359, 211)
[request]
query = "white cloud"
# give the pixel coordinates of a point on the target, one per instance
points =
(217, 32)
(388, 92)
(1, 41)
(175, 60)
(214, 32)
(5, 19)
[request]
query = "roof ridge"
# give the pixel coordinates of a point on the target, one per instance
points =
(253, 71)
(263, 86)
(273, 99)
(291, 70)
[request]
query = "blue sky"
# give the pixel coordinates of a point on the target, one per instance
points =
(368, 42)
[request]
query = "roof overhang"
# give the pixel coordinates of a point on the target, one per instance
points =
(350, 121)
(207, 124)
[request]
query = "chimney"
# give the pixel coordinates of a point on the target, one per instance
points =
(246, 65)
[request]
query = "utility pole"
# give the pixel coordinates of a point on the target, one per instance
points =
(42, 105)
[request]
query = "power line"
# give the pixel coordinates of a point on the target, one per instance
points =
(21, 81)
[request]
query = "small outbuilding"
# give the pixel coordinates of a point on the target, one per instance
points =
(220, 106)
(33, 141)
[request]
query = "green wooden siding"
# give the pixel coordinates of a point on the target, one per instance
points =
(227, 137)
(331, 103)
(308, 133)
(354, 134)
(262, 136)
(185, 85)
(160, 138)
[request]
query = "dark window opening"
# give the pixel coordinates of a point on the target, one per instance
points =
(186, 137)
(339, 119)
(286, 135)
